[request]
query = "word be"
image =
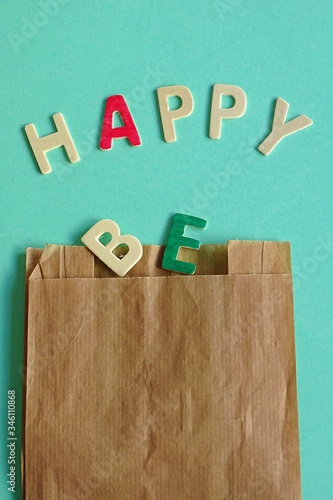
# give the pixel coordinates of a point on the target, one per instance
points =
(133, 249)
(117, 104)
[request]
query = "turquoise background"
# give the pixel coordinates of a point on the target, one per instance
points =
(83, 51)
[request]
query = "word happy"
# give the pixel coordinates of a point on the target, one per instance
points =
(116, 104)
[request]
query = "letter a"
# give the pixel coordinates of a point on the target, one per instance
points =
(117, 104)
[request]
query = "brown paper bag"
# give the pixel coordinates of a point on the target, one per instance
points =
(158, 386)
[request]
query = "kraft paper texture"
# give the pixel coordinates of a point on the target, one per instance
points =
(158, 386)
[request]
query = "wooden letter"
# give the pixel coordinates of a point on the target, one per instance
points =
(117, 104)
(280, 129)
(176, 239)
(218, 113)
(105, 252)
(40, 145)
(168, 116)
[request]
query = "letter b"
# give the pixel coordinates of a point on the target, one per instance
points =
(106, 253)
